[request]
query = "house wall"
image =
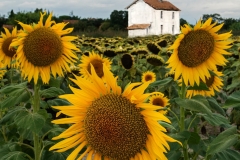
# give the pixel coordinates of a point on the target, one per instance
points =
(170, 25)
(142, 13)
(137, 32)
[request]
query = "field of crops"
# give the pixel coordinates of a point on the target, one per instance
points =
(119, 98)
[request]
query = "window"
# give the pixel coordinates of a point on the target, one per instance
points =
(172, 15)
(161, 14)
(161, 29)
(172, 29)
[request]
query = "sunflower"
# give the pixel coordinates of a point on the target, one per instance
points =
(155, 60)
(148, 76)
(154, 48)
(142, 51)
(109, 53)
(159, 100)
(214, 83)
(162, 43)
(2, 70)
(198, 50)
(7, 54)
(42, 49)
(97, 61)
(170, 74)
(109, 123)
(127, 61)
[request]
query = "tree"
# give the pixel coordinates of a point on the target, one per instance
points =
(235, 26)
(183, 21)
(119, 20)
(105, 25)
(228, 22)
(3, 20)
(215, 17)
(11, 14)
(38, 10)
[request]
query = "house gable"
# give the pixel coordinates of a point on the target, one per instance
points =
(158, 5)
(152, 17)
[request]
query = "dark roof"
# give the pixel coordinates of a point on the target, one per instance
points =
(8, 26)
(138, 26)
(158, 5)
(70, 21)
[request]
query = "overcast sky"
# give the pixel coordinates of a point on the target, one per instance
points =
(191, 10)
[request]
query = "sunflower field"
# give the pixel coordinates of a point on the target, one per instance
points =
(173, 97)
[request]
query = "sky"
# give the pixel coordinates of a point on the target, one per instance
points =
(191, 10)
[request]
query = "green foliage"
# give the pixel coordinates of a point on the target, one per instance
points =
(200, 104)
(51, 92)
(119, 20)
(223, 141)
(30, 121)
(183, 21)
(235, 26)
(233, 100)
(14, 94)
(105, 26)
(19, 120)
(216, 17)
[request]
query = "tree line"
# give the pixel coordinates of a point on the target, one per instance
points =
(118, 20)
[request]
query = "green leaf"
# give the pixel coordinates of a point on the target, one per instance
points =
(233, 100)
(235, 83)
(55, 82)
(43, 104)
(44, 113)
(10, 115)
(192, 120)
(163, 82)
(51, 155)
(194, 138)
(236, 63)
(14, 90)
(11, 151)
(11, 101)
(51, 92)
(55, 132)
(15, 95)
(58, 102)
(166, 125)
(173, 155)
(16, 155)
(216, 119)
(30, 121)
(227, 154)
(181, 136)
(8, 102)
(197, 103)
(202, 86)
(215, 106)
(223, 141)
(54, 155)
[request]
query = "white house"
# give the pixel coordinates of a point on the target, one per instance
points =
(152, 17)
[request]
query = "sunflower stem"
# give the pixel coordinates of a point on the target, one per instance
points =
(182, 110)
(182, 118)
(36, 107)
(11, 75)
